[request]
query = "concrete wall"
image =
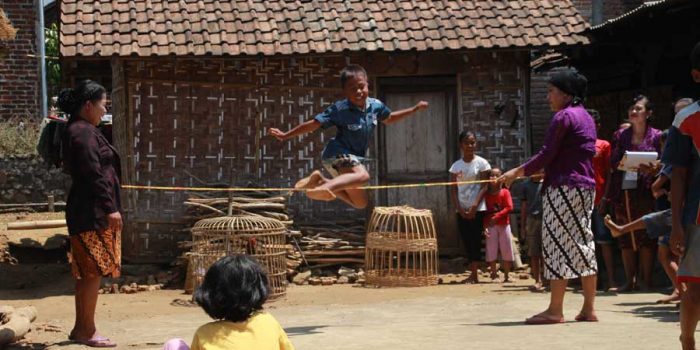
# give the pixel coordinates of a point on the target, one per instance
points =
(26, 179)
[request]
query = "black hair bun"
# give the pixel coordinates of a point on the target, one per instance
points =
(67, 101)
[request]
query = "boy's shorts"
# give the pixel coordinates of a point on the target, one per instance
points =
(341, 161)
(533, 235)
(601, 234)
(658, 225)
(689, 268)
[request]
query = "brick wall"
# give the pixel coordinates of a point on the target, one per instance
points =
(540, 113)
(19, 82)
(491, 80)
(607, 9)
(615, 8)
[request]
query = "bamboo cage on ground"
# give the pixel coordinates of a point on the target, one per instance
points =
(260, 237)
(401, 249)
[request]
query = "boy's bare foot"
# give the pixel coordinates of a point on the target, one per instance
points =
(670, 298)
(626, 288)
(615, 231)
(537, 288)
(320, 194)
(310, 181)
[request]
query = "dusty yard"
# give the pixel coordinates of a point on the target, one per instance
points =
(448, 316)
(451, 316)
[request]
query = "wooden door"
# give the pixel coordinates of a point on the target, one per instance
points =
(420, 149)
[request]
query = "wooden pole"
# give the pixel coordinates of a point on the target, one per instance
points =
(24, 225)
(51, 203)
(629, 218)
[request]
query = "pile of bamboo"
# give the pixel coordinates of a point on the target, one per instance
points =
(248, 203)
(332, 243)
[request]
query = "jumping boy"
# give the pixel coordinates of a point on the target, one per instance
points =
(355, 118)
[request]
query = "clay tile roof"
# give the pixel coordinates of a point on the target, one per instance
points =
(280, 27)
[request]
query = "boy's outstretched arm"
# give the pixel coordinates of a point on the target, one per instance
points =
(303, 128)
(395, 116)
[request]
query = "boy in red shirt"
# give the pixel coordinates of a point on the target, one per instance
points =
(499, 204)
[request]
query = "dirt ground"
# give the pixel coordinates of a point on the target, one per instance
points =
(448, 316)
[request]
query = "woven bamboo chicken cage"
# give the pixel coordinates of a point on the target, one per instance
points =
(401, 249)
(260, 237)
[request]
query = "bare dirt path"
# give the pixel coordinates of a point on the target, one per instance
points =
(486, 316)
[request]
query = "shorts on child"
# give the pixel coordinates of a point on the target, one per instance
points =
(342, 161)
(533, 235)
(499, 239)
(658, 225)
(471, 231)
(601, 234)
(689, 268)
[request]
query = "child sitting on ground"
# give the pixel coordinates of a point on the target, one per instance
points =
(499, 204)
(355, 118)
(233, 293)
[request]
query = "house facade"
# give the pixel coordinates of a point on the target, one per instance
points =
(195, 86)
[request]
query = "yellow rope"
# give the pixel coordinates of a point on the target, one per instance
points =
(286, 189)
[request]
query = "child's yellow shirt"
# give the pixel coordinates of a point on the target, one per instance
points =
(261, 332)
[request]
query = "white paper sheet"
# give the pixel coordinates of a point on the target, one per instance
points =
(632, 160)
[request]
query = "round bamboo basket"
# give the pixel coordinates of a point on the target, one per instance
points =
(401, 249)
(260, 237)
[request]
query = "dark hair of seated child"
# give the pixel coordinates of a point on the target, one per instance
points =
(234, 288)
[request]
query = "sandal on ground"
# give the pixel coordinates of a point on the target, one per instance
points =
(96, 342)
(584, 318)
(541, 320)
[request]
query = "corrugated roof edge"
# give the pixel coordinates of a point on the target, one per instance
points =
(642, 9)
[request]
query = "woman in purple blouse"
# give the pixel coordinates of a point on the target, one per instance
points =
(624, 188)
(567, 195)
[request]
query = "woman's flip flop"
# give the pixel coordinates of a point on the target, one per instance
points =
(96, 342)
(540, 320)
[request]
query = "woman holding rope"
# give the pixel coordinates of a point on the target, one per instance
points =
(568, 191)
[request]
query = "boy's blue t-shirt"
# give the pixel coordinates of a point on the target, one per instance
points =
(680, 152)
(355, 126)
(530, 192)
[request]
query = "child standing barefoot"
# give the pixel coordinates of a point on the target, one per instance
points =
(531, 219)
(499, 204)
(468, 199)
(355, 119)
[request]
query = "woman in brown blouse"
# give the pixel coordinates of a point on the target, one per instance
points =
(92, 209)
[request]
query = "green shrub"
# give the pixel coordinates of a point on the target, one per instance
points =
(18, 136)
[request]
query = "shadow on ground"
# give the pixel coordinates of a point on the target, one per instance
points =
(659, 312)
(304, 330)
